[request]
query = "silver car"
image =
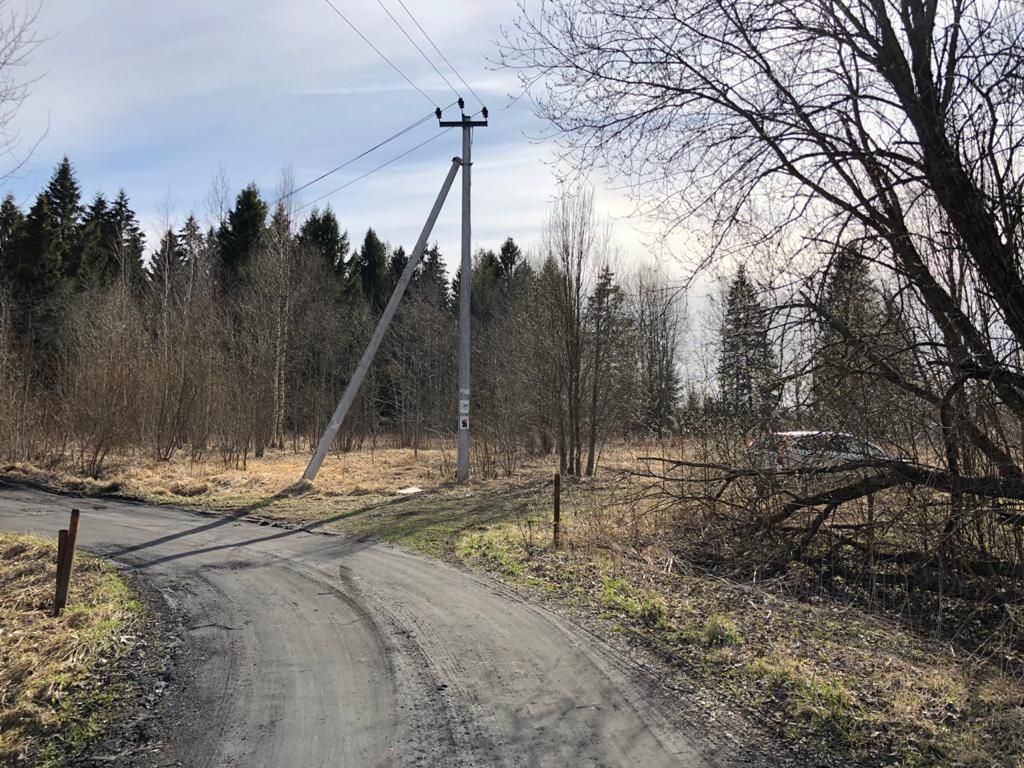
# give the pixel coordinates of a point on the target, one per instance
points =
(782, 455)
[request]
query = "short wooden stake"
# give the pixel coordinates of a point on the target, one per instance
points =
(66, 541)
(556, 529)
(60, 598)
(73, 533)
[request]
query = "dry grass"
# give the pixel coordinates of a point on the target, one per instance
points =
(52, 697)
(379, 472)
(362, 492)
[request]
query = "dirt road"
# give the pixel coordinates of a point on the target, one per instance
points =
(313, 650)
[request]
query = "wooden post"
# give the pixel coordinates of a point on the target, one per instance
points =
(73, 534)
(66, 540)
(60, 598)
(556, 530)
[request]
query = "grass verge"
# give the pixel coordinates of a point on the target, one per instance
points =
(54, 696)
(840, 686)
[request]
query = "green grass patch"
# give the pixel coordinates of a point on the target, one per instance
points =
(824, 703)
(720, 632)
(646, 607)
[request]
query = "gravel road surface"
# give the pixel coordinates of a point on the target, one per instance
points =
(314, 650)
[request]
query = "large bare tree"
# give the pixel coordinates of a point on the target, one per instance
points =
(894, 125)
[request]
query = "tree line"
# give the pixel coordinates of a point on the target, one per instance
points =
(240, 335)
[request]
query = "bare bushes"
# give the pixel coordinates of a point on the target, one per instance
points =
(873, 532)
(103, 390)
(18, 437)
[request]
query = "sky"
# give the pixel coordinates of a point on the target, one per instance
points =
(159, 98)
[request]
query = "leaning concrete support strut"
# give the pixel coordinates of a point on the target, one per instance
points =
(378, 334)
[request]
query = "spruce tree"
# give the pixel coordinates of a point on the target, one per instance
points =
(40, 287)
(11, 222)
(192, 243)
(167, 264)
(369, 271)
(240, 236)
(510, 257)
(97, 264)
(747, 367)
(857, 327)
(64, 204)
(430, 281)
(396, 266)
(321, 233)
(609, 342)
(127, 241)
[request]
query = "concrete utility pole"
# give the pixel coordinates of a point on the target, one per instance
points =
(467, 124)
(378, 334)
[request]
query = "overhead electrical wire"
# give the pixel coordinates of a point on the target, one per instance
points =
(280, 199)
(385, 164)
(361, 155)
(379, 53)
(439, 52)
(416, 46)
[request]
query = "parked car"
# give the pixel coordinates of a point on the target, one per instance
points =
(779, 456)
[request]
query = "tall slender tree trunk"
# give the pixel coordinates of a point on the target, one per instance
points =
(594, 389)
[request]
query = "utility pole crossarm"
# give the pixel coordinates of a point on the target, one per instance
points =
(378, 334)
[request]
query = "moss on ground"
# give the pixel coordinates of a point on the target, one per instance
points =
(53, 696)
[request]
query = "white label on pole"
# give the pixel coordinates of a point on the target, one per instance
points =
(464, 407)
(464, 392)
(464, 422)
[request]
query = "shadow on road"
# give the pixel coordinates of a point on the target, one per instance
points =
(241, 515)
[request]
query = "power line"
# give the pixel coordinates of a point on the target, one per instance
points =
(372, 170)
(439, 53)
(391, 63)
(414, 45)
(361, 155)
(274, 203)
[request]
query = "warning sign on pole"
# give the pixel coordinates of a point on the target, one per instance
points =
(464, 422)
(464, 407)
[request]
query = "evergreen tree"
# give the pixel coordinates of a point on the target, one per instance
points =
(609, 345)
(11, 222)
(97, 264)
(857, 327)
(747, 366)
(40, 288)
(516, 273)
(396, 266)
(368, 271)
(167, 265)
(511, 258)
(657, 335)
(111, 245)
(240, 236)
(321, 232)
(127, 241)
(192, 244)
(64, 207)
(430, 281)
(486, 286)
